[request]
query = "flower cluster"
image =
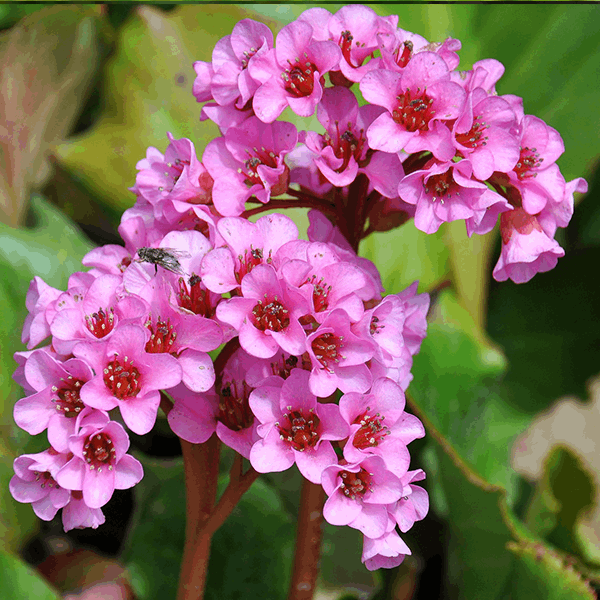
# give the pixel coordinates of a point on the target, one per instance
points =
(316, 360)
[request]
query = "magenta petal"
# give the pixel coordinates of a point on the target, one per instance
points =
(198, 370)
(139, 413)
(70, 476)
(271, 455)
(386, 135)
(44, 508)
(98, 487)
(256, 342)
(372, 520)
(128, 472)
(312, 461)
(339, 510)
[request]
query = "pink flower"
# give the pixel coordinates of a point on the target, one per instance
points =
(445, 192)
(127, 376)
(326, 281)
(343, 151)
(536, 175)
(294, 428)
(266, 317)
(247, 162)
(77, 514)
(414, 504)
(193, 416)
(227, 79)
(526, 249)
(176, 176)
(387, 551)
(380, 426)
(93, 314)
(358, 495)
(482, 134)
(355, 28)
(291, 73)
(418, 101)
(36, 327)
(34, 481)
(100, 463)
(338, 357)
(248, 245)
(57, 401)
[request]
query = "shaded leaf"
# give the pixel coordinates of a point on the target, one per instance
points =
(48, 63)
(549, 330)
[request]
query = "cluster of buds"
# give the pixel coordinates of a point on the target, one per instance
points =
(316, 359)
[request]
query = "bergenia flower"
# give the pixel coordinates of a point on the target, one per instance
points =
(291, 73)
(127, 376)
(295, 428)
(99, 464)
(247, 162)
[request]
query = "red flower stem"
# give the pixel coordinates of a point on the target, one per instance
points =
(308, 542)
(201, 467)
(302, 202)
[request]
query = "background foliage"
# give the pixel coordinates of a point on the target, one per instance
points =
(84, 90)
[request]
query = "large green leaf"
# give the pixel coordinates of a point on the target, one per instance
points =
(18, 581)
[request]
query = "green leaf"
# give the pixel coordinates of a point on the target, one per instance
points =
(21, 581)
(405, 254)
(540, 573)
(456, 385)
(49, 60)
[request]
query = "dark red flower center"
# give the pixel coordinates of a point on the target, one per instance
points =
(195, 298)
(320, 292)
(346, 145)
(99, 452)
(162, 336)
(271, 315)
(529, 159)
(375, 327)
(101, 323)
(250, 259)
(355, 484)
(234, 409)
(299, 430)
(403, 53)
(517, 220)
(283, 367)
(175, 169)
(299, 78)
(327, 349)
(67, 399)
(371, 430)
(345, 43)
(414, 110)
(45, 480)
(474, 138)
(122, 378)
(441, 186)
(256, 158)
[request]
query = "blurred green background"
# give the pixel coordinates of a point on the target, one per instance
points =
(85, 89)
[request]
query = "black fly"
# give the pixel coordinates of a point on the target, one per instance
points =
(167, 258)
